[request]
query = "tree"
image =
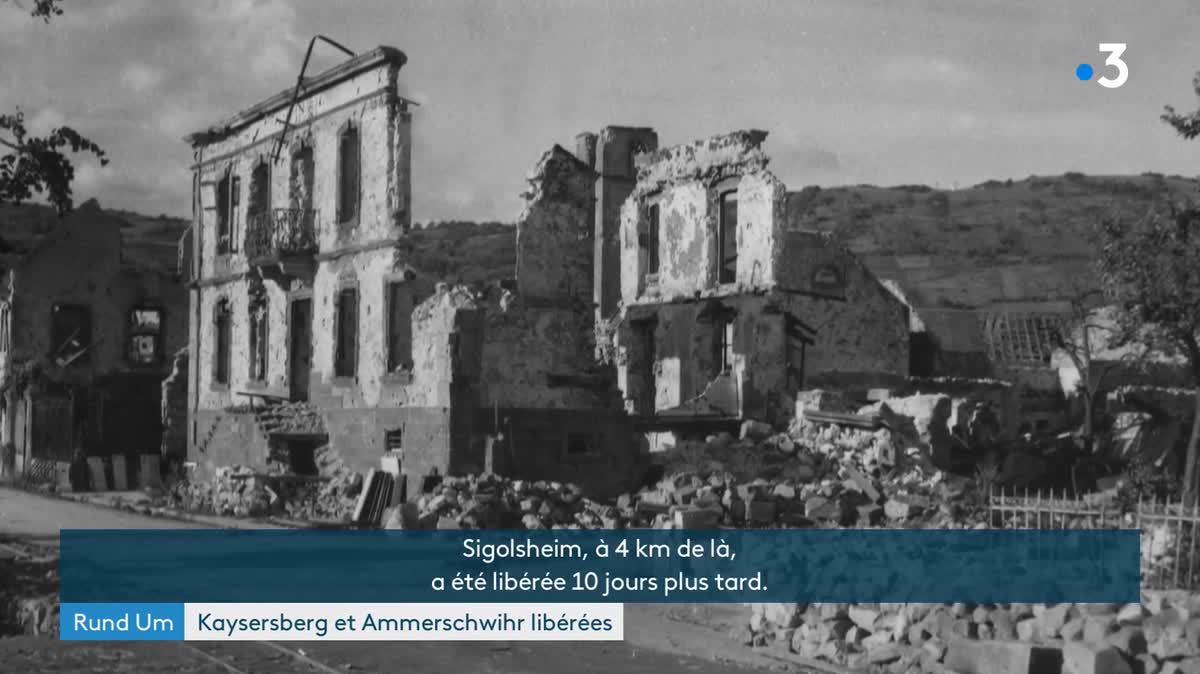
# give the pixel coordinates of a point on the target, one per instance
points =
(36, 165)
(1186, 124)
(1079, 339)
(1150, 271)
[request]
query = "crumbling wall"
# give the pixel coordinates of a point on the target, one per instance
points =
(685, 351)
(686, 183)
(761, 204)
(616, 150)
(554, 248)
(860, 329)
(539, 357)
(227, 437)
(359, 412)
(174, 407)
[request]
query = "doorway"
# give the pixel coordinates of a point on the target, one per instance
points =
(299, 348)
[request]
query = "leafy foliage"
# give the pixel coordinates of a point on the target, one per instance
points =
(36, 165)
(1149, 271)
(39, 164)
(1187, 124)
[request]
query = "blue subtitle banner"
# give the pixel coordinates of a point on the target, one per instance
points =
(120, 622)
(600, 566)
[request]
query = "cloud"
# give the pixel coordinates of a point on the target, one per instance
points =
(140, 77)
(928, 70)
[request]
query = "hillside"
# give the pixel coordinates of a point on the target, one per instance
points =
(1022, 241)
(1013, 241)
(150, 241)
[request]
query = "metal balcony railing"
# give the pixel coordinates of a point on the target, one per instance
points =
(281, 232)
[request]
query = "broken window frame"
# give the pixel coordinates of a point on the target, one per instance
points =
(302, 181)
(235, 211)
(258, 198)
(223, 216)
(398, 345)
(723, 342)
(593, 445)
(222, 343)
(726, 271)
(649, 243)
(345, 342)
(137, 330)
(62, 334)
(635, 148)
(349, 194)
(258, 322)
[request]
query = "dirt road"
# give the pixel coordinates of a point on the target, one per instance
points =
(23, 514)
(655, 643)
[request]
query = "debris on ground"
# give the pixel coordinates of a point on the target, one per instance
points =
(1158, 635)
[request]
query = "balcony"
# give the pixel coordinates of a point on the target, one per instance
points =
(283, 240)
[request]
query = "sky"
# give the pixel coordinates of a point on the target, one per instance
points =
(941, 92)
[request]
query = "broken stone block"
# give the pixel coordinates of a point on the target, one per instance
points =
(786, 615)
(1001, 657)
(1084, 658)
(870, 515)
(860, 482)
(1053, 619)
(1131, 614)
(1168, 647)
(1183, 666)
(830, 612)
(877, 640)
(448, 523)
(1072, 629)
(755, 430)
(916, 635)
(760, 512)
(1128, 639)
(785, 491)
(902, 508)
(1146, 664)
(696, 518)
(821, 508)
(1169, 622)
(1029, 629)
(864, 618)
(1097, 627)
(882, 654)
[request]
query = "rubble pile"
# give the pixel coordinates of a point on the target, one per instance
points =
(241, 491)
(29, 593)
(491, 501)
(1158, 635)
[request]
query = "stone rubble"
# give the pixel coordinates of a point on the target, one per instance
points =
(1159, 636)
(240, 491)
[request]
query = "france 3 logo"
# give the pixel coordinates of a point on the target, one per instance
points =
(1084, 71)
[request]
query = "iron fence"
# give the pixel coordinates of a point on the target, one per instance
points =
(281, 231)
(1169, 529)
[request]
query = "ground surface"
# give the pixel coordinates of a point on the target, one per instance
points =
(660, 639)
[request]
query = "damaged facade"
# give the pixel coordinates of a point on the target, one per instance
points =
(319, 323)
(725, 312)
(86, 337)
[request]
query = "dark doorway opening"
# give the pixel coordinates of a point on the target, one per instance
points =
(299, 348)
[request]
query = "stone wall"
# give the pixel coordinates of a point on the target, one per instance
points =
(615, 166)
(174, 407)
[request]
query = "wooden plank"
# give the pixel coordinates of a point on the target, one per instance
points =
(873, 422)
(363, 498)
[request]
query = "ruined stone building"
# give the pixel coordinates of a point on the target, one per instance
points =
(725, 313)
(86, 336)
(321, 320)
